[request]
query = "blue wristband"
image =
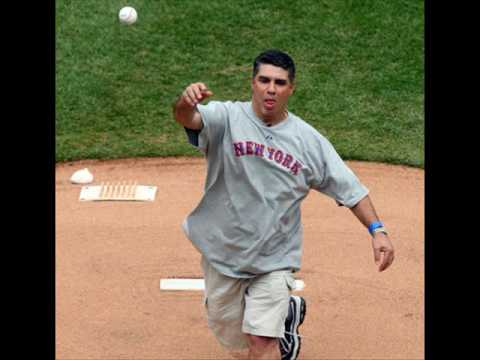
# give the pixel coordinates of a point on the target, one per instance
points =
(374, 226)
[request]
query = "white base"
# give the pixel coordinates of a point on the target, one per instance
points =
(199, 284)
(118, 192)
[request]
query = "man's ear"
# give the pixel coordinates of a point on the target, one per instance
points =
(294, 87)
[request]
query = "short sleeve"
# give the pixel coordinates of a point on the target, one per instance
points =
(214, 117)
(332, 177)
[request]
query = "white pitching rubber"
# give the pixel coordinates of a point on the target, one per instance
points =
(120, 191)
(199, 284)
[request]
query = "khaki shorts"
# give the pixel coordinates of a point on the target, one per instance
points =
(236, 307)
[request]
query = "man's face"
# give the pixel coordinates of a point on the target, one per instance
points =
(271, 89)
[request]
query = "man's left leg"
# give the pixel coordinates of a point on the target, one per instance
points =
(262, 347)
(266, 308)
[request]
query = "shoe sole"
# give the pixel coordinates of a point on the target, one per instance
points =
(300, 316)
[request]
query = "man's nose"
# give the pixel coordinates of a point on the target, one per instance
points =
(271, 87)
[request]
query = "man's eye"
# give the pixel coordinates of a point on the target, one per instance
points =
(281, 82)
(264, 80)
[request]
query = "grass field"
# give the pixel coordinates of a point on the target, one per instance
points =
(359, 64)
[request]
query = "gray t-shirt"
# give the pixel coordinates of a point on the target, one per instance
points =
(249, 220)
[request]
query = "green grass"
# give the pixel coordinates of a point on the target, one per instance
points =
(359, 68)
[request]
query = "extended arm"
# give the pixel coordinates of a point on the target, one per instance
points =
(382, 247)
(185, 109)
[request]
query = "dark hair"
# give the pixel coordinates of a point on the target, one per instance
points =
(276, 58)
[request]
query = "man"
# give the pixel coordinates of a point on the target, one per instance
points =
(262, 162)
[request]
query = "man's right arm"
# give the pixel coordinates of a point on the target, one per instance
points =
(185, 109)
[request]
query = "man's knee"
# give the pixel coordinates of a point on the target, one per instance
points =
(262, 344)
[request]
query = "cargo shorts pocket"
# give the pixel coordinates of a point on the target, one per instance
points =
(266, 304)
(290, 280)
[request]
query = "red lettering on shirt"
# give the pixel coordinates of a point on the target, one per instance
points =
(287, 161)
(259, 149)
(270, 152)
(249, 147)
(295, 168)
(278, 156)
(243, 148)
(239, 150)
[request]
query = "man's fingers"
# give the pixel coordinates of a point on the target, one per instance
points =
(203, 91)
(192, 94)
(387, 260)
(376, 255)
(382, 251)
(189, 97)
(186, 98)
(198, 92)
(384, 263)
(195, 93)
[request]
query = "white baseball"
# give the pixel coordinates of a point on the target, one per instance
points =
(127, 15)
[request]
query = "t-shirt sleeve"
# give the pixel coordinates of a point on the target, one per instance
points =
(332, 177)
(214, 117)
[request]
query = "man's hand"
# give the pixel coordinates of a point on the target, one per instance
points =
(185, 111)
(195, 93)
(382, 251)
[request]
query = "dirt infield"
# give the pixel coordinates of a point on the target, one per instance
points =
(110, 257)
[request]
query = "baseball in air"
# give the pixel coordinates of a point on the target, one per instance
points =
(127, 15)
